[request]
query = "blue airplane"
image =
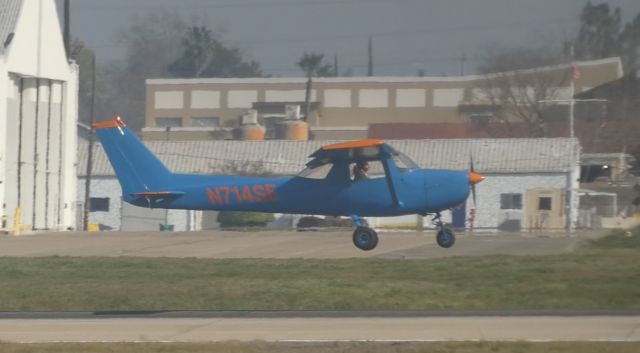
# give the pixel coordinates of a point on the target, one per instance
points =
(325, 187)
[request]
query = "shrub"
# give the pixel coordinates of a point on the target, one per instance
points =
(229, 219)
(317, 222)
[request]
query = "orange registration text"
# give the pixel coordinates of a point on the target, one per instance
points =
(225, 195)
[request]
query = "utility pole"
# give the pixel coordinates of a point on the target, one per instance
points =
(87, 185)
(574, 76)
(370, 66)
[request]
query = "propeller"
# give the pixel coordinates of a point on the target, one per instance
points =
(474, 178)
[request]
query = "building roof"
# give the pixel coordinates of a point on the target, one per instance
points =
(9, 12)
(280, 157)
(373, 79)
(595, 136)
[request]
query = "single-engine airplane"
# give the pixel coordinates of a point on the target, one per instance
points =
(325, 187)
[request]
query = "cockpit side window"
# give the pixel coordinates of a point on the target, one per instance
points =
(317, 172)
(366, 170)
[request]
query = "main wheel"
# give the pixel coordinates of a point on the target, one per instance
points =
(365, 238)
(445, 237)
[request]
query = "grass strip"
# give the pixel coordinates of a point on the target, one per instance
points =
(603, 275)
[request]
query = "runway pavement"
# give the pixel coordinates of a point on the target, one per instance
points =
(279, 244)
(624, 328)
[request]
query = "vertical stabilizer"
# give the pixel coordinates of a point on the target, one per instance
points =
(137, 168)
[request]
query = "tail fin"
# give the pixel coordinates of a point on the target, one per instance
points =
(138, 169)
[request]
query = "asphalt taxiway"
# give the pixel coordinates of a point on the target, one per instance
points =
(303, 327)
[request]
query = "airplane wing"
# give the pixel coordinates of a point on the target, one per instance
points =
(349, 152)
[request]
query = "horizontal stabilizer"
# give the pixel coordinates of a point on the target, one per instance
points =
(155, 197)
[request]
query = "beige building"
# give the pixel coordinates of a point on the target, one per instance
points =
(342, 107)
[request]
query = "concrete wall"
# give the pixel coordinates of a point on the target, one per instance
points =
(36, 152)
(488, 213)
(11, 144)
(4, 110)
(69, 141)
(103, 187)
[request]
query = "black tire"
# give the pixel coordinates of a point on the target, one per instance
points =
(445, 238)
(365, 238)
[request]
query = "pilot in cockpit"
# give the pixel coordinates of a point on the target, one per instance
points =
(360, 170)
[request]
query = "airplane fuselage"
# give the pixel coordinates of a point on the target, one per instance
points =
(421, 191)
(328, 185)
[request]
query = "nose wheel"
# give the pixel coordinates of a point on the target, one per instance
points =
(445, 237)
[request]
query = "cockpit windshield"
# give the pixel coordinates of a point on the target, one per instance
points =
(317, 171)
(402, 161)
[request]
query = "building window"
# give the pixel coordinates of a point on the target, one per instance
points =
(510, 201)
(168, 122)
(373, 98)
(411, 98)
(99, 204)
(169, 100)
(206, 122)
(447, 97)
(544, 204)
(481, 118)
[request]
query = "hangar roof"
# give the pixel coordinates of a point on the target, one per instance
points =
(280, 157)
(9, 12)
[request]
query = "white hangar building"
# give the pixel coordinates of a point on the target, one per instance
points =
(531, 183)
(38, 115)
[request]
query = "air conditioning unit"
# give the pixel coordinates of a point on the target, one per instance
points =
(292, 112)
(249, 118)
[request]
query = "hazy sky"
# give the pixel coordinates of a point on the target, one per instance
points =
(408, 35)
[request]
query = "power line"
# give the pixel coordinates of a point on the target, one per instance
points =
(208, 5)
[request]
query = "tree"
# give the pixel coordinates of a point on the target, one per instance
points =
(312, 66)
(599, 32)
(199, 49)
(83, 56)
(205, 56)
(152, 43)
(235, 219)
(515, 82)
(630, 44)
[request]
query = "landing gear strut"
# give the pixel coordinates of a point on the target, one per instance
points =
(364, 238)
(445, 237)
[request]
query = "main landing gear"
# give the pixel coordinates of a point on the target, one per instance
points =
(445, 237)
(364, 238)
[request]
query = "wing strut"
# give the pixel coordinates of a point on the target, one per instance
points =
(390, 181)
